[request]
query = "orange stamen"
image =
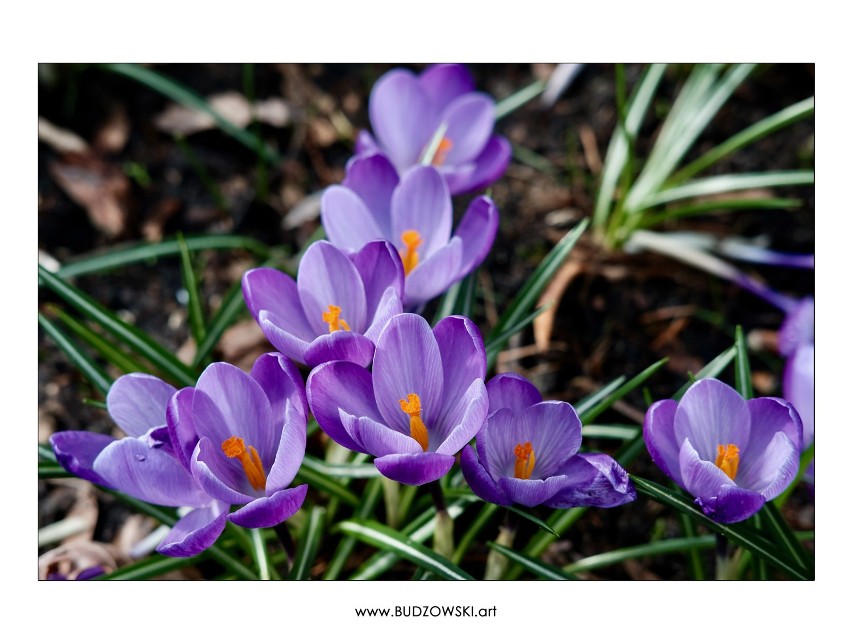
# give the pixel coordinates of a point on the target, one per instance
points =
(235, 447)
(524, 460)
(415, 423)
(728, 459)
(335, 322)
(444, 148)
(410, 256)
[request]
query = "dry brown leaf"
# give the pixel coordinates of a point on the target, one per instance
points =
(63, 141)
(101, 189)
(232, 106)
(243, 343)
(72, 559)
(543, 324)
(113, 134)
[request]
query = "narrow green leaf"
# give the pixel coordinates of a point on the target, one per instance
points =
(518, 99)
(712, 369)
(742, 366)
(261, 556)
(656, 548)
(587, 402)
(309, 542)
(232, 305)
(725, 183)
(93, 373)
(196, 315)
(343, 470)
(535, 566)
(150, 567)
(533, 519)
(49, 471)
(369, 500)
(718, 205)
(637, 381)
(309, 473)
(493, 346)
(687, 525)
(618, 432)
(481, 520)
(382, 537)
(781, 535)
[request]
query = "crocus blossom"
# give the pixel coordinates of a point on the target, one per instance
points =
(527, 454)
(732, 455)
(424, 400)
(415, 214)
(438, 109)
(251, 437)
(146, 464)
(796, 343)
(335, 308)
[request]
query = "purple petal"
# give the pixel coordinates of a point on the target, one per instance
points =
(273, 327)
(659, 434)
(513, 391)
(444, 83)
(267, 289)
(479, 480)
(402, 116)
(422, 202)
(336, 386)
(531, 492)
(701, 478)
(390, 305)
(772, 470)
(477, 231)
(497, 442)
(486, 169)
(76, 451)
(768, 417)
(340, 345)
(460, 177)
(470, 123)
(462, 360)
(711, 414)
(732, 505)
(148, 473)
(328, 277)
(380, 268)
(798, 327)
(407, 361)
(269, 511)
(373, 178)
(291, 451)
(220, 477)
(595, 480)
(347, 221)
(181, 425)
(799, 389)
(415, 469)
(462, 422)
(434, 275)
(281, 381)
(195, 532)
(365, 144)
(137, 402)
(378, 439)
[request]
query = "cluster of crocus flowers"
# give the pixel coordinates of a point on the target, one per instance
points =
(527, 454)
(732, 455)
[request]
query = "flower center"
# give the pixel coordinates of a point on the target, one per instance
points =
(444, 148)
(235, 447)
(728, 459)
(524, 460)
(415, 423)
(335, 322)
(410, 256)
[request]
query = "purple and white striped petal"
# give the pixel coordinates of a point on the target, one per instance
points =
(733, 504)
(373, 178)
(380, 268)
(477, 230)
(422, 203)
(470, 122)
(659, 434)
(485, 169)
(291, 450)
(462, 422)
(269, 511)
(415, 469)
(220, 477)
(282, 383)
(595, 480)
(270, 290)
(462, 360)
(445, 83)
(137, 402)
(510, 390)
(710, 414)
(274, 328)
(703, 479)
(76, 451)
(480, 480)
(435, 274)
(340, 345)
(195, 532)
(347, 220)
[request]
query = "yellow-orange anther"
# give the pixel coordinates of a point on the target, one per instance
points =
(524, 460)
(234, 447)
(335, 322)
(410, 256)
(728, 459)
(444, 148)
(415, 423)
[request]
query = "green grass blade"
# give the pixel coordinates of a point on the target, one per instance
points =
(781, 535)
(188, 98)
(138, 341)
(369, 500)
(718, 206)
(93, 373)
(50, 471)
(310, 473)
(587, 402)
(481, 520)
(693, 555)
(654, 549)
(150, 567)
(742, 366)
(616, 432)
(310, 539)
(533, 519)
(494, 345)
(382, 537)
(231, 307)
(712, 369)
(589, 415)
(725, 183)
(343, 470)
(535, 566)
(261, 556)
(458, 300)
(518, 99)
(190, 283)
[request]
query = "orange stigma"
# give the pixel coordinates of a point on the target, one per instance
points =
(524, 460)
(410, 256)
(728, 459)
(235, 447)
(415, 423)
(444, 148)
(335, 322)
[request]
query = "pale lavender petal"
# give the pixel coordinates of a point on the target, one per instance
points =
(434, 275)
(446, 82)
(798, 327)
(373, 178)
(477, 230)
(76, 451)
(487, 168)
(380, 268)
(733, 504)
(181, 425)
(422, 203)
(799, 388)
(378, 439)
(340, 345)
(290, 345)
(470, 122)
(347, 221)
(291, 450)
(513, 391)
(659, 434)
(195, 532)
(267, 289)
(459, 177)
(148, 473)
(768, 417)
(710, 414)
(407, 361)
(497, 442)
(390, 305)
(336, 386)
(461, 423)
(365, 143)
(462, 360)
(772, 471)
(531, 492)
(269, 511)
(137, 402)
(703, 479)
(402, 116)
(328, 277)
(415, 469)
(595, 480)
(220, 477)
(281, 381)
(479, 480)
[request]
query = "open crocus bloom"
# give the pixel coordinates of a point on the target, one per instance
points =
(424, 400)
(732, 455)
(415, 214)
(335, 308)
(251, 437)
(408, 112)
(527, 454)
(147, 464)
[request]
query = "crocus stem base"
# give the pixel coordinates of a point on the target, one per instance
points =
(496, 564)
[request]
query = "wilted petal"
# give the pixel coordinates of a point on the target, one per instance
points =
(512, 391)
(340, 345)
(380, 268)
(291, 450)
(195, 532)
(76, 451)
(268, 289)
(771, 470)
(137, 402)
(659, 434)
(477, 230)
(434, 275)
(444, 83)
(470, 122)
(422, 202)
(269, 511)
(415, 469)
(328, 277)
(595, 480)
(347, 221)
(373, 178)
(711, 414)
(479, 480)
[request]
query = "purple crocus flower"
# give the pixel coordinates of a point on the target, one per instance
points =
(335, 308)
(424, 400)
(251, 437)
(527, 454)
(416, 215)
(146, 464)
(732, 455)
(409, 112)
(796, 342)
